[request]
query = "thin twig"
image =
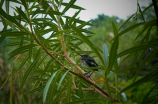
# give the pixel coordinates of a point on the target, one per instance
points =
(85, 89)
(73, 81)
(56, 53)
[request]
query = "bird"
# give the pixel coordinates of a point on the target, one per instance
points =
(87, 61)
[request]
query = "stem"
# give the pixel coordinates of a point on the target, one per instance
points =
(84, 89)
(116, 78)
(22, 92)
(107, 85)
(156, 9)
(6, 81)
(11, 86)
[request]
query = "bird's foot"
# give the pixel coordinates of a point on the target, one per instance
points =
(87, 74)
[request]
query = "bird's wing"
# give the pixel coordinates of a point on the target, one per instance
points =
(91, 62)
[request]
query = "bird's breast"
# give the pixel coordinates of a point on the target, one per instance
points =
(84, 63)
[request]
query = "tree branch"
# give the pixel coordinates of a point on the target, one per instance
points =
(156, 9)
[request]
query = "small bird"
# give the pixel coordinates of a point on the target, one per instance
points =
(87, 61)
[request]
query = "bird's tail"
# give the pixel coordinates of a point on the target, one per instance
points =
(96, 70)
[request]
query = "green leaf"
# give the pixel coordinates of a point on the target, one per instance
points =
(47, 66)
(22, 14)
(84, 100)
(138, 48)
(140, 81)
(86, 31)
(57, 99)
(68, 6)
(28, 71)
(48, 12)
(39, 62)
(9, 18)
(53, 86)
(1, 3)
(147, 8)
(95, 96)
(69, 90)
(113, 50)
(124, 96)
(21, 49)
(83, 24)
(24, 4)
(2, 38)
(73, 6)
(7, 6)
(140, 33)
(129, 29)
(61, 80)
(79, 21)
(140, 11)
(10, 33)
(148, 94)
(125, 22)
(105, 53)
(73, 17)
(36, 89)
(80, 92)
(23, 62)
(45, 6)
(47, 86)
(88, 42)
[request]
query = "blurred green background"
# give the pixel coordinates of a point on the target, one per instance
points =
(102, 34)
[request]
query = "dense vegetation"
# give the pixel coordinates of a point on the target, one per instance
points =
(40, 48)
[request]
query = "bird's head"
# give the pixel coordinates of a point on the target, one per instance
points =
(84, 55)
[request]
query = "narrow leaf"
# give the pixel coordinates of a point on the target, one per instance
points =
(9, 18)
(105, 53)
(69, 90)
(73, 6)
(61, 80)
(113, 50)
(80, 92)
(124, 96)
(2, 38)
(125, 22)
(36, 89)
(140, 81)
(22, 14)
(28, 72)
(23, 62)
(138, 48)
(128, 29)
(68, 6)
(84, 100)
(20, 50)
(73, 17)
(10, 33)
(47, 86)
(57, 99)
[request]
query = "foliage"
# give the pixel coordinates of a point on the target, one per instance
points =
(45, 56)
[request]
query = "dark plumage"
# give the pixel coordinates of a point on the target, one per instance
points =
(88, 61)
